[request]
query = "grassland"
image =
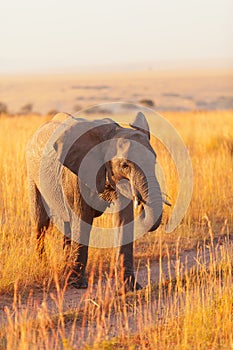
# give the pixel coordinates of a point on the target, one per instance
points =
(190, 310)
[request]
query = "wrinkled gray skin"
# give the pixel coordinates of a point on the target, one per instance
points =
(137, 188)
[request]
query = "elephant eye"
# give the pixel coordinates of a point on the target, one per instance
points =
(125, 165)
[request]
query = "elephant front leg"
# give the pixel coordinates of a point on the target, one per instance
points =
(124, 220)
(126, 256)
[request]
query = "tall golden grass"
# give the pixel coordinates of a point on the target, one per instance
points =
(192, 310)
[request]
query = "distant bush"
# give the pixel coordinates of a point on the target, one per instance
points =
(26, 109)
(3, 108)
(52, 112)
(98, 110)
(147, 102)
(77, 108)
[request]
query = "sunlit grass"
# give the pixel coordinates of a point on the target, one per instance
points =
(194, 309)
(196, 313)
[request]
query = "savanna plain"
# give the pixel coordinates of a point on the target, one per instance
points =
(187, 302)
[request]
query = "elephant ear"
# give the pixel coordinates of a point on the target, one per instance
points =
(140, 123)
(79, 149)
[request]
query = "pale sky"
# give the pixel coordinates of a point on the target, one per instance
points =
(40, 35)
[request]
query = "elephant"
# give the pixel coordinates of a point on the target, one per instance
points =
(100, 164)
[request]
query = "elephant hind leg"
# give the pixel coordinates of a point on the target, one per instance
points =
(77, 276)
(40, 218)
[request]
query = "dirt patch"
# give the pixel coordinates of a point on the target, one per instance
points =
(102, 306)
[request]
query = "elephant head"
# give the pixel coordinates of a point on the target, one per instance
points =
(103, 154)
(131, 171)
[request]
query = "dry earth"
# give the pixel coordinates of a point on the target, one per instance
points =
(76, 301)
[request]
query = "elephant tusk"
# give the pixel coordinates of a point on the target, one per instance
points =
(135, 202)
(166, 202)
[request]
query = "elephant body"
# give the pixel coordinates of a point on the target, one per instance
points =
(77, 168)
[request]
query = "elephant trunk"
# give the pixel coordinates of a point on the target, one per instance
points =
(151, 197)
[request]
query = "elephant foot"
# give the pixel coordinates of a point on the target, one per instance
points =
(78, 281)
(130, 284)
